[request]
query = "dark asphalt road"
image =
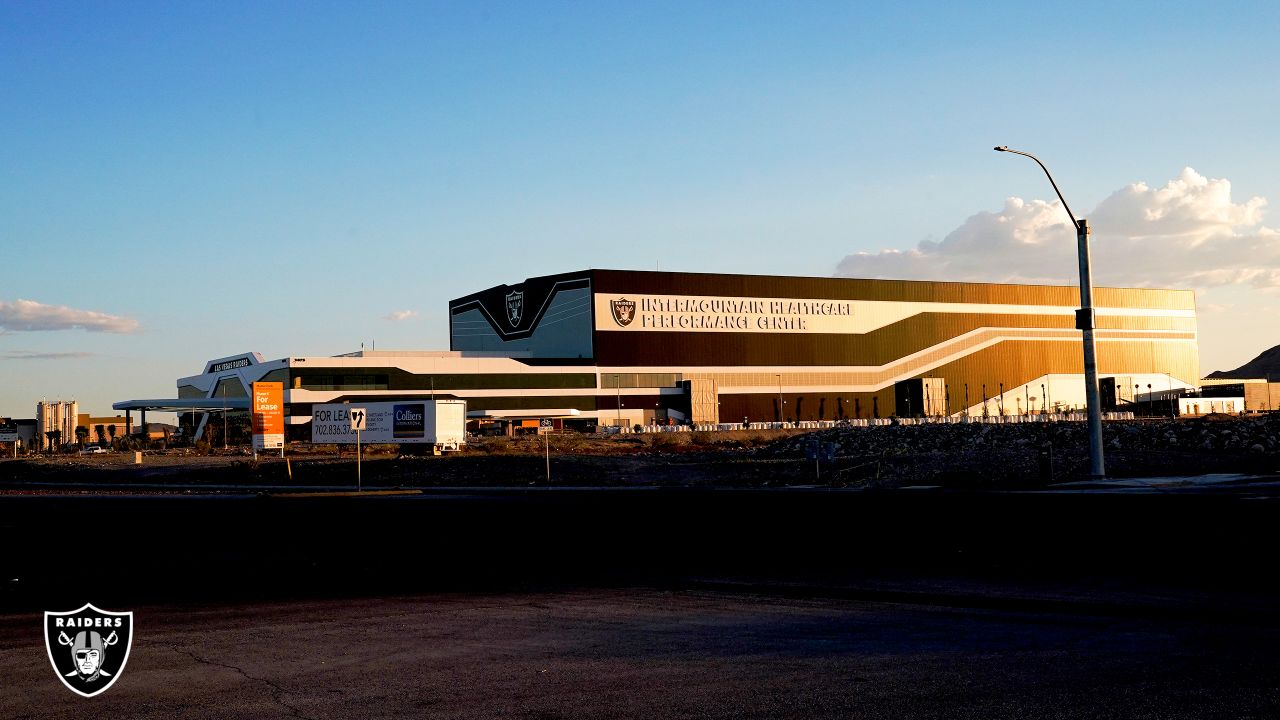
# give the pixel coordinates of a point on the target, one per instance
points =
(899, 605)
(644, 653)
(154, 548)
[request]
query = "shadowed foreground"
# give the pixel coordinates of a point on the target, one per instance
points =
(647, 653)
(656, 603)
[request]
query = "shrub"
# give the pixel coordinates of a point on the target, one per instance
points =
(667, 440)
(567, 442)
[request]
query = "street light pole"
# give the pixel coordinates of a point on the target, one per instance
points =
(781, 415)
(1084, 323)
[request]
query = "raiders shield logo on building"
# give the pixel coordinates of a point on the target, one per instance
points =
(624, 311)
(88, 647)
(515, 307)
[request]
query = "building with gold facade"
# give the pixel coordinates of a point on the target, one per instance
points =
(616, 346)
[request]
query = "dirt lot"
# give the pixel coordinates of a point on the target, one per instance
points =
(1014, 455)
(575, 460)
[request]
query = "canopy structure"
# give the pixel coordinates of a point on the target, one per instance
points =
(180, 405)
(208, 405)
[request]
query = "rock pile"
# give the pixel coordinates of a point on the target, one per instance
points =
(1028, 454)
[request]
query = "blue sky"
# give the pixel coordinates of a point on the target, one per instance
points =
(282, 177)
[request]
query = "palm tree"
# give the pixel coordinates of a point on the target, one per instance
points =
(82, 434)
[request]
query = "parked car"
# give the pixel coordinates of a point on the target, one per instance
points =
(93, 450)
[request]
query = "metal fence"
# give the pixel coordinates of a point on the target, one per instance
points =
(869, 422)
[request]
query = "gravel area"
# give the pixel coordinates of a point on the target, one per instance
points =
(1023, 455)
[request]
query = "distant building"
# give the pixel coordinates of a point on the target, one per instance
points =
(1215, 395)
(21, 432)
(1195, 405)
(110, 427)
(56, 416)
(1257, 393)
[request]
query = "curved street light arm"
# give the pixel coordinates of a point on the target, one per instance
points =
(1004, 148)
(1084, 323)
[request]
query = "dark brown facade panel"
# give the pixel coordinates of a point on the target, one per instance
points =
(1013, 364)
(1127, 322)
(763, 407)
(878, 347)
(579, 402)
(1179, 360)
(1152, 299)
(660, 283)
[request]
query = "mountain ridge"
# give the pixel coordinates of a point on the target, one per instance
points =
(1266, 365)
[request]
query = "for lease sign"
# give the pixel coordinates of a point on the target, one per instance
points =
(386, 422)
(268, 415)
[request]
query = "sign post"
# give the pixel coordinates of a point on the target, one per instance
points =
(811, 449)
(818, 451)
(545, 427)
(358, 420)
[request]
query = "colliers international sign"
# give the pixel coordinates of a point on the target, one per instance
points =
(721, 314)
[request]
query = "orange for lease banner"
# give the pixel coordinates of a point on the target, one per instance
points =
(268, 414)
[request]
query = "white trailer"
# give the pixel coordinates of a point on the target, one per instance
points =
(442, 423)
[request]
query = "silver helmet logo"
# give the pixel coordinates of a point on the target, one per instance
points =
(515, 307)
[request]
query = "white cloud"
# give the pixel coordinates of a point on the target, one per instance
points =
(1187, 234)
(400, 315)
(1214, 308)
(31, 316)
(33, 355)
